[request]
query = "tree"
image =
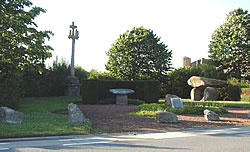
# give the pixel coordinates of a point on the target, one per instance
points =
(138, 54)
(22, 45)
(229, 47)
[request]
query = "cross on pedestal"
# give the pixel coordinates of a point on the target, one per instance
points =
(74, 35)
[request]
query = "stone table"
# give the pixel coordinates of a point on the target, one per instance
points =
(121, 95)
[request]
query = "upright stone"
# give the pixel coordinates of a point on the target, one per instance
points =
(196, 94)
(210, 94)
(8, 115)
(75, 114)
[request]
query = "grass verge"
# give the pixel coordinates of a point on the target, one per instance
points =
(39, 119)
(150, 110)
(232, 104)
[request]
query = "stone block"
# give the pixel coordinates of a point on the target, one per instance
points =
(196, 94)
(166, 117)
(211, 116)
(210, 94)
(8, 115)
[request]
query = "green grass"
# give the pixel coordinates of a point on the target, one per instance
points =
(150, 110)
(39, 119)
(233, 104)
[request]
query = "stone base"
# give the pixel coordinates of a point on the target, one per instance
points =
(73, 90)
(122, 99)
(72, 86)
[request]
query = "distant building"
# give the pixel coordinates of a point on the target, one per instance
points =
(185, 61)
(195, 63)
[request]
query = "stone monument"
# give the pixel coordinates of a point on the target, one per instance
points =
(176, 103)
(72, 82)
(121, 95)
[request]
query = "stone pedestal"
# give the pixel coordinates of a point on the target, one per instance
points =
(121, 99)
(121, 95)
(72, 86)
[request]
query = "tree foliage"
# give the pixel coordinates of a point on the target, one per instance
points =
(229, 47)
(138, 54)
(22, 45)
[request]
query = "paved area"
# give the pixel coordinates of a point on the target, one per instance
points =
(202, 139)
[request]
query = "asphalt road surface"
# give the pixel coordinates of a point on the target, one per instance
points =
(226, 139)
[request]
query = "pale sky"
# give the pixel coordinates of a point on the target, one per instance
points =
(185, 26)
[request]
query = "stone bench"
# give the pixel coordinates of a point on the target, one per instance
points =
(121, 95)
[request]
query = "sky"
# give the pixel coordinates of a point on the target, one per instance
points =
(186, 26)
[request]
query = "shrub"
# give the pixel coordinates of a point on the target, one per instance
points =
(52, 81)
(10, 89)
(94, 74)
(229, 92)
(241, 83)
(94, 90)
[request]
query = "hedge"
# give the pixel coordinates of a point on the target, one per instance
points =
(93, 91)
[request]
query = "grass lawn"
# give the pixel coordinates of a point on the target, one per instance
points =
(233, 104)
(40, 121)
(191, 107)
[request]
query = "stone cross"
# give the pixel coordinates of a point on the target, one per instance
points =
(74, 35)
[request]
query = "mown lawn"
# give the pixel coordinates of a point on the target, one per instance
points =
(39, 119)
(233, 104)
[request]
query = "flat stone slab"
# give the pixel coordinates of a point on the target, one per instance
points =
(121, 91)
(196, 81)
(121, 95)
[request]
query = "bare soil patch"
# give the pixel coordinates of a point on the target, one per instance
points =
(116, 118)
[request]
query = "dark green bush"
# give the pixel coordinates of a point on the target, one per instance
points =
(229, 92)
(51, 82)
(93, 91)
(10, 89)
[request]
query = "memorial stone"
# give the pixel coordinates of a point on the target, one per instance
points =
(177, 103)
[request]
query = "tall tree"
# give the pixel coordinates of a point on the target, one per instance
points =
(230, 43)
(22, 45)
(138, 54)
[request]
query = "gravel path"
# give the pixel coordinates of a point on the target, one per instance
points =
(115, 118)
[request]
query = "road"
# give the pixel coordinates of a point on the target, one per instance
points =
(229, 139)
